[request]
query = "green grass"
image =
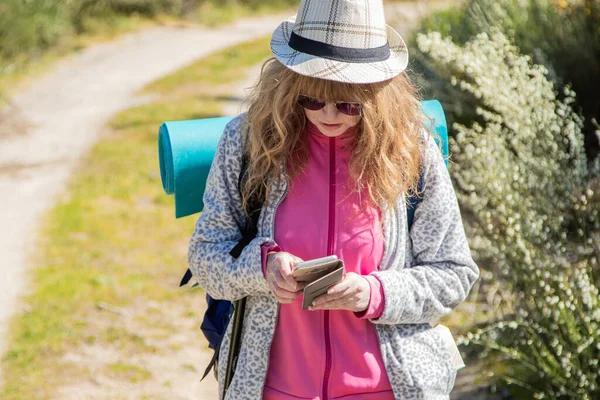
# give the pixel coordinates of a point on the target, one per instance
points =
(113, 238)
(130, 372)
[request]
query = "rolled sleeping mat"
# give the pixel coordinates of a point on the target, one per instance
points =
(438, 125)
(186, 150)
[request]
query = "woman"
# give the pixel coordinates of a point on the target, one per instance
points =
(336, 143)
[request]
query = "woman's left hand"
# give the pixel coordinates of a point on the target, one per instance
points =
(352, 293)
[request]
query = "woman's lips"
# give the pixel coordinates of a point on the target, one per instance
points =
(331, 126)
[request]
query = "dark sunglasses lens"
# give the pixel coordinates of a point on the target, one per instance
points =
(310, 103)
(349, 108)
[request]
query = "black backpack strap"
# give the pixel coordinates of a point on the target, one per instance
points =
(186, 278)
(236, 342)
(249, 234)
(253, 209)
(212, 363)
(414, 201)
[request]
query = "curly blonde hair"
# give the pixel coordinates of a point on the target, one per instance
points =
(386, 159)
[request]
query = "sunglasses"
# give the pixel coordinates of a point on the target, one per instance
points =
(310, 103)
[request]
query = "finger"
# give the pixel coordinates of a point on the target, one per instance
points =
(338, 304)
(342, 289)
(283, 266)
(279, 285)
(282, 294)
(325, 298)
(286, 297)
(296, 260)
(286, 274)
(283, 300)
(279, 269)
(339, 288)
(288, 284)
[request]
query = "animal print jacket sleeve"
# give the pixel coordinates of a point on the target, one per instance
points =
(219, 229)
(440, 272)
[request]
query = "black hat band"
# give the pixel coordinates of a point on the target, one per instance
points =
(337, 53)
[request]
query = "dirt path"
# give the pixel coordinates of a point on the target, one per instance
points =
(53, 122)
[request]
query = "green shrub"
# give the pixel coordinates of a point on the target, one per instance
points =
(562, 35)
(31, 26)
(523, 177)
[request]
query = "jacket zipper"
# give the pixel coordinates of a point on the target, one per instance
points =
(276, 206)
(330, 243)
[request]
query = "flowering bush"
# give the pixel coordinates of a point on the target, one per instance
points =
(523, 176)
(562, 35)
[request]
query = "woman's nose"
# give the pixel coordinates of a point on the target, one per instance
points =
(330, 111)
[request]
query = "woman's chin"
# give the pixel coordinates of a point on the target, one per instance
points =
(331, 129)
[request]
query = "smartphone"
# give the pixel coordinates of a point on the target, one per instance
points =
(309, 271)
(319, 274)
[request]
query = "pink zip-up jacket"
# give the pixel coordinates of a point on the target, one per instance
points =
(328, 354)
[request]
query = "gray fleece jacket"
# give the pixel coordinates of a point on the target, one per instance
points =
(425, 273)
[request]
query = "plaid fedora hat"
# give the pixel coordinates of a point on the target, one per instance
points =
(340, 40)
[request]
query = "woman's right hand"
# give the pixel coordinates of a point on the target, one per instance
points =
(279, 276)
